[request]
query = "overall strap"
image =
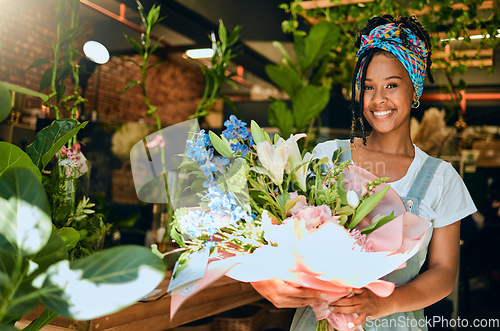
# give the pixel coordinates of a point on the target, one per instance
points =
(420, 185)
(424, 178)
(345, 144)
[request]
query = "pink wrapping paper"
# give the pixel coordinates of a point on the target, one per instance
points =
(324, 259)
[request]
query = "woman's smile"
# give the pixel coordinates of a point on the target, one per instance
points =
(382, 113)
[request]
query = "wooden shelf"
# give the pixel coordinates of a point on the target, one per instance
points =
(154, 313)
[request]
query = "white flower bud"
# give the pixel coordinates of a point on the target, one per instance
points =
(352, 199)
(377, 218)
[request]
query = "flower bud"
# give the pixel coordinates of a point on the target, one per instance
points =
(352, 199)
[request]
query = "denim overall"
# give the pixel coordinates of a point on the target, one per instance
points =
(305, 320)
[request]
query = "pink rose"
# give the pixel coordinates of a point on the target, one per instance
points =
(299, 205)
(314, 217)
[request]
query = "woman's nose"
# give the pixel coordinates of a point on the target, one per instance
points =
(378, 96)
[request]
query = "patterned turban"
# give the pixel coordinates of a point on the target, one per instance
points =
(412, 53)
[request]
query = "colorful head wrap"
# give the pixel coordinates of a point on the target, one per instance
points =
(412, 53)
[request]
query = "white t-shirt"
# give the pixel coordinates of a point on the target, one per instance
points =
(447, 199)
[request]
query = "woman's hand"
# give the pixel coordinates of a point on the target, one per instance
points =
(285, 295)
(362, 302)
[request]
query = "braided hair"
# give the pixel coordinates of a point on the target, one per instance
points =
(410, 23)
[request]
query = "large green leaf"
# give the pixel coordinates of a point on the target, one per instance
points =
(281, 117)
(102, 283)
(13, 156)
(53, 252)
(285, 77)
(367, 206)
(5, 102)
(70, 236)
(19, 303)
(308, 102)
(24, 220)
(259, 135)
(23, 90)
(320, 40)
(43, 319)
(49, 140)
(221, 145)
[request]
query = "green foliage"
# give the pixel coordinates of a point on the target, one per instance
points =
(50, 139)
(63, 64)
(304, 80)
(82, 229)
(145, 48)
(215, 74)
(13, 156)
(35, 268)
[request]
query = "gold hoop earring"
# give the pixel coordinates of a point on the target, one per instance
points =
(415, 104)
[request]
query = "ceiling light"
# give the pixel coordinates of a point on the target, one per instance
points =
(200, 53)
(478, 36)
(96, 52)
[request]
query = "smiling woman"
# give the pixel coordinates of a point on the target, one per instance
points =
(393, 60)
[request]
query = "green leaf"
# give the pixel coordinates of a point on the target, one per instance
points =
(46, 79)
(372, 227)
(308, 102)
(70, 236)
(24, 220)
(259, 135)
(25, 297)
(366, 206)
(222, 33)
(5, 102)
(43, 319)
(175, 235)
(49, 140)
(135, 44)
(285, 77)
(281, 117)
(102, 283)
(23, 90)
(283, 52)
(13, 156)
(129, 85)
(53, 252)
(321, 39)
(282, 199)
(341, 189)
(221, 145)
(234, 35)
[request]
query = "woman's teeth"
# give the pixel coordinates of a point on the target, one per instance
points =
(382, 113)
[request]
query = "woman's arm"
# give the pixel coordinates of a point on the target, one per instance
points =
(431, 286)
(285, 295)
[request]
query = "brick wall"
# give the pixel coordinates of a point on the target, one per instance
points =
(174, 87)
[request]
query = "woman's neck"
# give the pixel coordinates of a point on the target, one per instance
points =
(390, 144)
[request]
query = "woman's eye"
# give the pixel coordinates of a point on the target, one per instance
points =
(368, 88)
(391, 86)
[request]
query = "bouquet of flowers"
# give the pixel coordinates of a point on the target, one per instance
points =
(255, 208)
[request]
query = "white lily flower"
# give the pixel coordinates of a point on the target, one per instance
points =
(352, 199)
(274, 157)
(296, 160)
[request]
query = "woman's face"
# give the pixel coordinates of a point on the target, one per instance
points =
(388, 95)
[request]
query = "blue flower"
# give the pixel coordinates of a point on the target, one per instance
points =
(221, 162)
(240, 148)
(197, 148)
(235, 128)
